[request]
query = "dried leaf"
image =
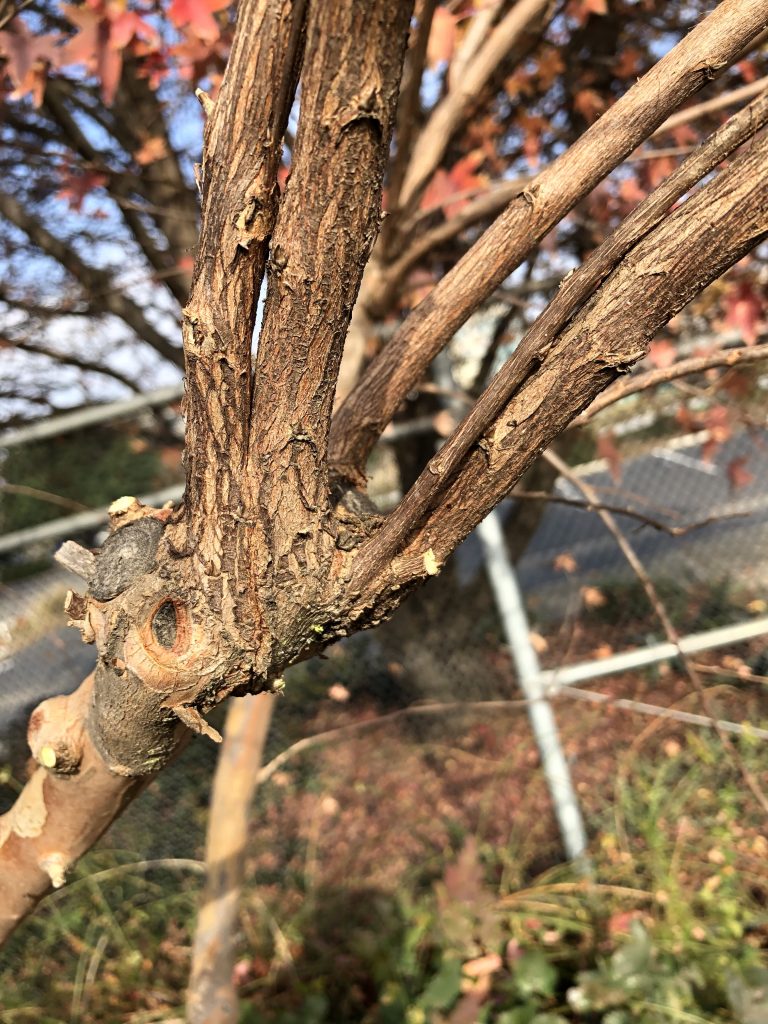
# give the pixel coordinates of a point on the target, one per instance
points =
(662, 353)
(738, 474)
(538, 642)
(608, 450)
(565, 562)
(197, 17)
(153, 149)
(442, 36)
(744, 310)
(339, 693)
(593, 597)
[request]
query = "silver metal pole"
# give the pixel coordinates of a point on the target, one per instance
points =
(78, 522)
(514, 619)
(80, 418)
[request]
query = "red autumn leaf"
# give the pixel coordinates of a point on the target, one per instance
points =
(582, 9)
(717, 423)
(284, 173)
(153, 149)
(589, 104)
(565, 562)
(686, 419)
(549, 66)
(460, 180)
(630, 191)
(607, 449)
(91, 46)
(75, 186)
(738, 474)
(442, 36)
(657, 169)
(736, 384)
(28, 58)
(662, 352)
(744, 310)
(628, 63)
(197, 15)
(748, 70)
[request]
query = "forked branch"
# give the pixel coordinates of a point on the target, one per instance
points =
(553, 381)
(709, 48)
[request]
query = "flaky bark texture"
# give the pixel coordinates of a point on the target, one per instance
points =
(276, 551)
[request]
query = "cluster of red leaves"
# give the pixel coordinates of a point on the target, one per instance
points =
(106, 31)
(452, 190)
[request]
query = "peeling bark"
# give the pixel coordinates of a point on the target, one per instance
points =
(276, 552)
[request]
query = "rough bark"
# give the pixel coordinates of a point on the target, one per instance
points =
(698, 58)
(270, 558)
(178, 602)
(671, 264)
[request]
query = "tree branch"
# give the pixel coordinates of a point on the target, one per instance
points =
(685, 367)
(241, 156)
(726, 99)
(709, 47)
(325, 229)
(211, 995)
(548, 385)
(525, 18)
(409, 104)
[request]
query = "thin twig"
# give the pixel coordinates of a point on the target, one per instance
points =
(663, 616)
(652, 378)
(728, 99)
(34, 492)
(633, 513)
(355, 729)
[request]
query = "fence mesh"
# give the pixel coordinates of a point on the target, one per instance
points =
(351, 818)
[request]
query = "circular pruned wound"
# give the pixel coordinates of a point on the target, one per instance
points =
(126, 555)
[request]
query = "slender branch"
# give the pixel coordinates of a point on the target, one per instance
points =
(632, 513)
(324, 233)
(709, 47)
(34, 492)
(67, 359)
(726, 99)
(117, 185)
(563, 363)
(486, 205)
(525, 18)
(666, 622)
(730, 357)
(241, 157)
(211, 994)
(409, 106)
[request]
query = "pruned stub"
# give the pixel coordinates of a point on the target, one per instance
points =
(162, 654)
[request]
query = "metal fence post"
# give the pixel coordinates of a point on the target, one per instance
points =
(509, 601)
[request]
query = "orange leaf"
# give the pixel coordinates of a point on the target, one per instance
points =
(565, 562)
(607, 449)
(593, 597)
(744, 310)
(662, 353)
(198, 16)
(153, 149)
(738, 474)
(589, 104)
(442, 36)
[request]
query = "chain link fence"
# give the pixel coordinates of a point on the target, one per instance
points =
(424, 734)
